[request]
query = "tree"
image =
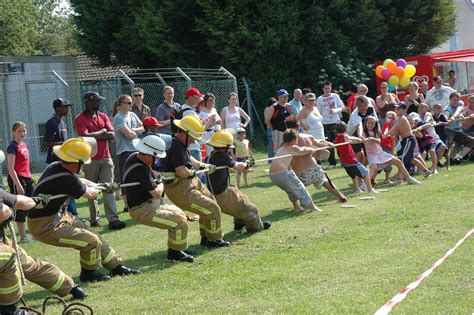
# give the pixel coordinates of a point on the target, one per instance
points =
(17, 25)
(273, 43)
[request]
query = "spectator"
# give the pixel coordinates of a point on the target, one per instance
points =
(452, 80)
(231, 115)
(305, 91)
(19, 176)
(330, 106)
(275, 118)
(210, 119)
(93, 123)
(351, 96)
(127, 127)
(242, 154)
(414, 98)
(270, 149)
(439, 93)
(423, 87)
(362, 89)
(193, 98)
(140, 109)
(311, 119)
(295, 103)
(440, 122)
(385, 102)
(56, 134)
(163, 111)
(468, 114)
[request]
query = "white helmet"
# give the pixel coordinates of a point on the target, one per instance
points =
(151, 144)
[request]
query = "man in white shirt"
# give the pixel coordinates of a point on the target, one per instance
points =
(439, 93)
(330, 106)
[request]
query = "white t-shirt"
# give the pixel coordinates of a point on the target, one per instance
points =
(438, 96)
(326, 105)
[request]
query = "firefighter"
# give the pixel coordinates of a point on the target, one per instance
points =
(53, 225)
(229, 198)
(143, 200)
(42, 273)
(187, 191)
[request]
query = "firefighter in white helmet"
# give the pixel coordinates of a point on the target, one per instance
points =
(187, 191)
(143, 200)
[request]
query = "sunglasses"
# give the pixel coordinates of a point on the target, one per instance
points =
(138, 95)
(129, 103)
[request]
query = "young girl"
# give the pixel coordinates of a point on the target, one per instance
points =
(388, 143)
(242, 153)
(379, 159)
(19, 176)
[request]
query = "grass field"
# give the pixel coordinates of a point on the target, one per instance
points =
(340, 261)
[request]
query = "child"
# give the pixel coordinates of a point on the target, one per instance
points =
(19, 176)
(379, 159)
(387, 144)
(439, 122)
(229, 198)
(242, 153)
(426, 143)
(282, 176)
(419, 135)
(353, 168)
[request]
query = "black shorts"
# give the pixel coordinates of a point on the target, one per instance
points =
(27, 184)
(355, 170)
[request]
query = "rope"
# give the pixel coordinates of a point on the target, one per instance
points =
(72, 308)
(18, 252)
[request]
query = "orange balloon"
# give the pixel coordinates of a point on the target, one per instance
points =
(391, 65)
(399, 72)
(378, 71)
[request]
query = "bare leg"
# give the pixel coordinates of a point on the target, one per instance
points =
(296, 206)
(21, 229)
(312, 207)
(441, 152)
(333, 190)
(246, 183)
(355, 184)
(434, 160)
(369, 184)
(419, 164)
(238, 178)
(401, 168)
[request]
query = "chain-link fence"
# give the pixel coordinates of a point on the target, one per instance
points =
(32, 104)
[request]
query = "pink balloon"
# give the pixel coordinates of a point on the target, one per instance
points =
(401, 63)
(386, 74)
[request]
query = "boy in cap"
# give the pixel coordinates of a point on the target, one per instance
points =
(229, 198)
(56, 128)
(275, 117)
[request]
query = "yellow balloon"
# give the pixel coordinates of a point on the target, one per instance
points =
(404, 81)
(410, 71)
(394, 80)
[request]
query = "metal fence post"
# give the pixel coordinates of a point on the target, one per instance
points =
(185, 76)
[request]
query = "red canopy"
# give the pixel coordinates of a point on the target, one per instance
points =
(466, 55)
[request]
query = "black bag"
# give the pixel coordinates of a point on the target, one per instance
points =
(177, 114)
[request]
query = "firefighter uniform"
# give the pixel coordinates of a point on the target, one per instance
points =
(55, 226)
(42, 273)
(147, 210)
(230, 199)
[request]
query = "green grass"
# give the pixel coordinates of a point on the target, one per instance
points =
(343, 260)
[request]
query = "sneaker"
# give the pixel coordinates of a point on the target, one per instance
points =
(216, 244)
(238, 226)
(373, 191)
(96, 223)
(266, 225)
(117, 225)
(26, 239)
(92, 276)
(412, 181)
(178, 255)
(121, 270)
(78, 293)
(363, 187)
(427, 173)
(388, 182)
(456, 161)
(332, 166)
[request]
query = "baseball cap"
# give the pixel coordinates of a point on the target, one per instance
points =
(310, 96)
(282, 92)
(240, 130)
(192, 91)
(60, 102)
(401, 105)
(414, 116)
(151, 121)
(92, 96)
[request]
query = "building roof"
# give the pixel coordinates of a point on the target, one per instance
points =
(90, 70)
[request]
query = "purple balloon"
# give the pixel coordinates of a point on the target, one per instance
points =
(386, 74)
(401, 63)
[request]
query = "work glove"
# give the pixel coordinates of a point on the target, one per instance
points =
(211, 168)
(41, 200)
(250, 162)
(109, 187)
(192, 174)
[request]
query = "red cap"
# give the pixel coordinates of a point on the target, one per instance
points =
(192, 91)
(151, 121)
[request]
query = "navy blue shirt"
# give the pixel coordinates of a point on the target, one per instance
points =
(56, 130)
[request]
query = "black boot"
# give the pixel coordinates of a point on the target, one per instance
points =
(238, 226)
(78, 293)
(178, 255)
(218, 243)
(266, 225)
(92, 276)
(203, 241)
(121, 270)
(8, 309)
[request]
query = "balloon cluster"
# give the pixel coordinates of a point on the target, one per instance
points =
(396, 73)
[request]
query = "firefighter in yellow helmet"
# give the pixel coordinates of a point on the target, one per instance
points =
(53, 225)
(187, 191)
(229, 198)
(12, 258)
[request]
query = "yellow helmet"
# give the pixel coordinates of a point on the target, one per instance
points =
(74, 150)
(221, 139)
(191, 125)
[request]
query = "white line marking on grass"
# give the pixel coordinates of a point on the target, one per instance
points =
(390, 305)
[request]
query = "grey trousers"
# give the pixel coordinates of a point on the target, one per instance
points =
(101, 171)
